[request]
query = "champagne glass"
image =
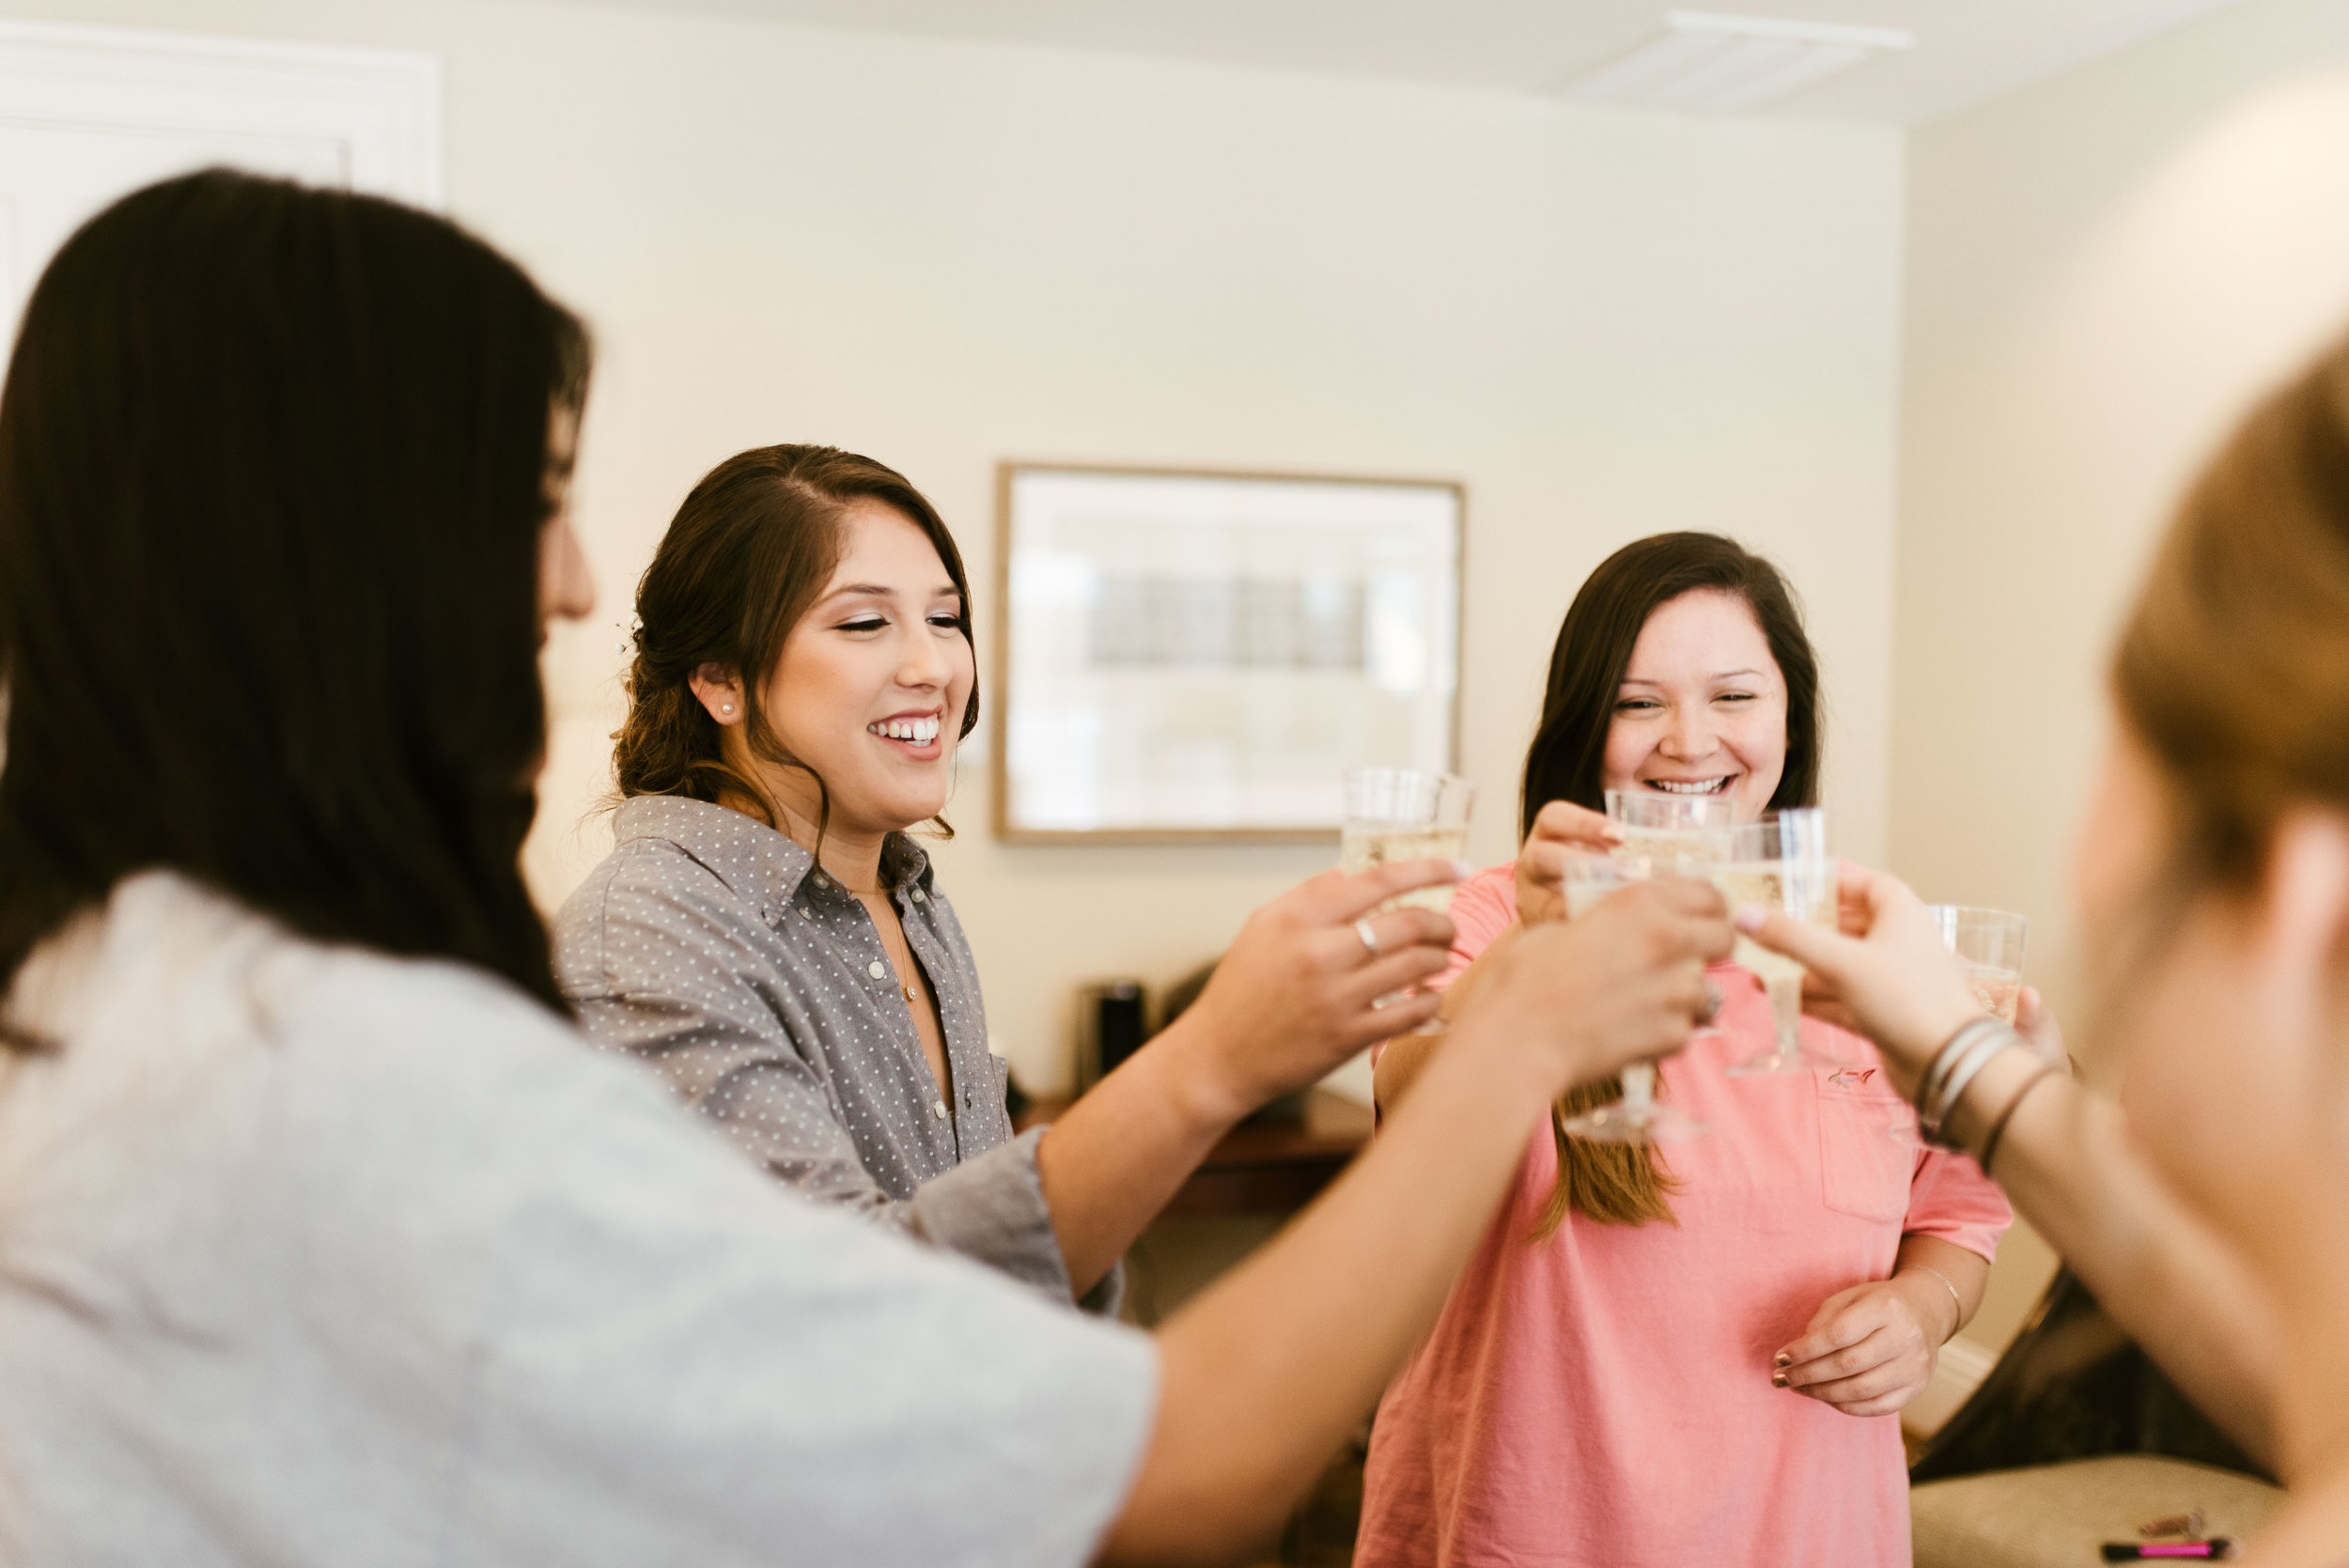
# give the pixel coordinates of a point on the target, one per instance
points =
(1989, 945)
(1780, 862)
(1638, 1117)
(1678, 835)
(1399, 813)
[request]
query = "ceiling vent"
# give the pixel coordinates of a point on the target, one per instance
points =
(1711, 64)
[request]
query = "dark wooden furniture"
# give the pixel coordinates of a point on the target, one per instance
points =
(2074, 1385)
(1266, 1166)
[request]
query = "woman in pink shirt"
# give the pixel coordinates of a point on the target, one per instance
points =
(1666, 1356)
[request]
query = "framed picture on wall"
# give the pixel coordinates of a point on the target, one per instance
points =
(1190, 655)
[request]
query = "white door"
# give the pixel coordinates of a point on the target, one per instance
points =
(88, 113)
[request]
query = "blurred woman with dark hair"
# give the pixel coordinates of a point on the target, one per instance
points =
(324, 1239)
(770, 932)
(1692, 1354)
(2209, 1209)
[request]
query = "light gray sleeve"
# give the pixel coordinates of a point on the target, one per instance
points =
(672, 1362)
(651, 973)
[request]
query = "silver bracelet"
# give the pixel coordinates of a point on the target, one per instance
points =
(1992, 1047)
(1958, 1321)
(1945, 1059)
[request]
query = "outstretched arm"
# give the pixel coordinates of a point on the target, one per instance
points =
(2064, 1158)
(1293, 999)
(1264, 1373)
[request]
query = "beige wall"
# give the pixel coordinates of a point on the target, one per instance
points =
(948, 254)
(2101, 270)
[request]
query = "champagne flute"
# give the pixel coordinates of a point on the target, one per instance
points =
(1780, 862)
(1400, 814)
(1678, 835)
(1989, 945)
(1638, 1117)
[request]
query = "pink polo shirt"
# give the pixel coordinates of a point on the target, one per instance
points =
(1604, 1398)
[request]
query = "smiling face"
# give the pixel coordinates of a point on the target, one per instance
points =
(872, 684)
(1702, 706)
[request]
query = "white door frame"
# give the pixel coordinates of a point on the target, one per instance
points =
(384, 106)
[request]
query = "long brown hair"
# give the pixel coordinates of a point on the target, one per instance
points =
(273, 474)
(1623, 1184)
(749, 550)
(2234, 669)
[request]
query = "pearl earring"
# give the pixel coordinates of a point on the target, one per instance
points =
(725, 711)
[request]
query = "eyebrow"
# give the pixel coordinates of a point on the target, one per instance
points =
(1725, 674)
(876, 590)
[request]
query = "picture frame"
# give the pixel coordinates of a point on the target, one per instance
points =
(1190, 656)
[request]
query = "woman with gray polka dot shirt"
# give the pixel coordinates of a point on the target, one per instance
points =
(767, 935)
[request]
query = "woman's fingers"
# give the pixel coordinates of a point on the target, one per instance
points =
(1896, 983)
(2036, 1022)
(1565, 823)
(1395, 931)
(1383, 977)
(1336, 897)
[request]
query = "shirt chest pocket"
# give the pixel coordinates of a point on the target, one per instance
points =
(1863, 1171)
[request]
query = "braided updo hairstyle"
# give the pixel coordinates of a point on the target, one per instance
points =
(749, 550)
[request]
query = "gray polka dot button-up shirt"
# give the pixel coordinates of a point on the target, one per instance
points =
(711, 945)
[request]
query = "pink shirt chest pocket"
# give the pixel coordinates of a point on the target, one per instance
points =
(1864, 1172)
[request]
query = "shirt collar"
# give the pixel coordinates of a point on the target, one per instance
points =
(756, 863)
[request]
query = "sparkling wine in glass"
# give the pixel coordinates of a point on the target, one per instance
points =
(1989, 947)
(1670, 829)
(1780, 862)
(1639, 1117)
(1396, 814)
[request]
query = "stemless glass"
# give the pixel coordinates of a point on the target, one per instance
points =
(1638, 1117)
(1989, 945)
(1780, 862)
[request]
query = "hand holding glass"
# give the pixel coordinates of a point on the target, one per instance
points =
(1781, 864)
(1636, 1118)
(1989, 945)
(1395, 813)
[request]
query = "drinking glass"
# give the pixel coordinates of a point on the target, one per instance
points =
(1638, 1117)
(1671, 828)
(1398, 813)
(1780, 862)
(1989, 945)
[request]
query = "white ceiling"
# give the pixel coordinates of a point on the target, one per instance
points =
(1966, 50)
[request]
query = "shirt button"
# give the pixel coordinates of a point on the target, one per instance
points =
(876, 969)
(937, 1108)
(917, 896)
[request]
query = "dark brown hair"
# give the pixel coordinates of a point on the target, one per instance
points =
(2234, 669)
(273, 473)
(745, 556)
(1621, 1184)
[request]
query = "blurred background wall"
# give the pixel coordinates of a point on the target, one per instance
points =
(2102, 269)
(948, 254)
